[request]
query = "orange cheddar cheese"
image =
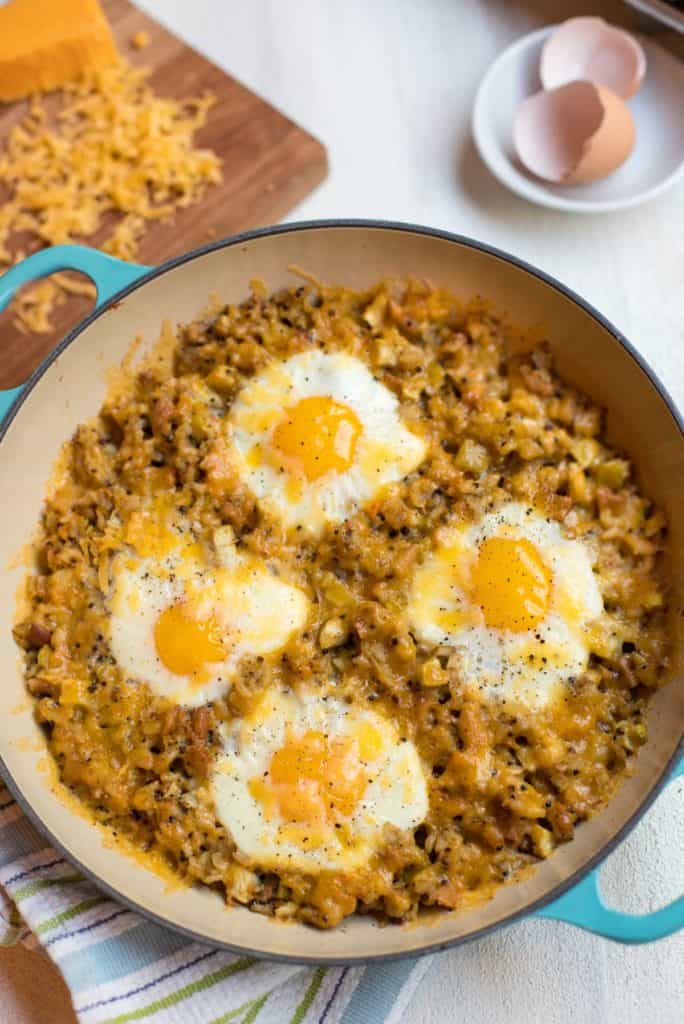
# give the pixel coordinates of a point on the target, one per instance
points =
(43, 46)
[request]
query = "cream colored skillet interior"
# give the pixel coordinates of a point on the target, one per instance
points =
(70, 387)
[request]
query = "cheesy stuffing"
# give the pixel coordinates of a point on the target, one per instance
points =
(506, 783)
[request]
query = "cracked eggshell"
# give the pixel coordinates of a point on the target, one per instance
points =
(573, 134)
(589, 48)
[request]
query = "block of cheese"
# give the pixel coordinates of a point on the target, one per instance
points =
(45, 44)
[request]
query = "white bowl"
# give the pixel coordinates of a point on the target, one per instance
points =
(658, 110)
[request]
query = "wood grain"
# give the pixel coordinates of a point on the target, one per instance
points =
(269, 165)
(32, 991)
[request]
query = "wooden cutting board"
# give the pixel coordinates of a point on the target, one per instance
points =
(269, 165)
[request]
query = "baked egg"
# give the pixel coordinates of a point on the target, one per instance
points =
(317, 437)
(516, 601)
(181, 617)
(308, 782)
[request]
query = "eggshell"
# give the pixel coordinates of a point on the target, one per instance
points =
(574, 134)
(589, 48)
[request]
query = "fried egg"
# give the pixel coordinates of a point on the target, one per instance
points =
(317, 437)
(515, 599)
(181, 620)
(308, 782)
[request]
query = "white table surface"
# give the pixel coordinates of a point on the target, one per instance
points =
(388, 85)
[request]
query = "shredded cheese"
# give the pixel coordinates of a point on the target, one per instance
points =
(140, 40)
(116, 150)
(32, 307)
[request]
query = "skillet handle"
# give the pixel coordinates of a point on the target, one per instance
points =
(583, 906)
(108, 274)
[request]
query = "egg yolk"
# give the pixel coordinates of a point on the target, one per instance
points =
(511, 583)
(312, 780)
(318, 435)
(184, 644)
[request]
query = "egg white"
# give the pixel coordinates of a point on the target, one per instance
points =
(530, 667)
(386, 450)
(395, 791)
(258, 612)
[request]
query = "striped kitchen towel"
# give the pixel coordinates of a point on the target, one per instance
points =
(120, 967)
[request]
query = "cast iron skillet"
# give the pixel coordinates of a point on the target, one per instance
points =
(69, 386)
